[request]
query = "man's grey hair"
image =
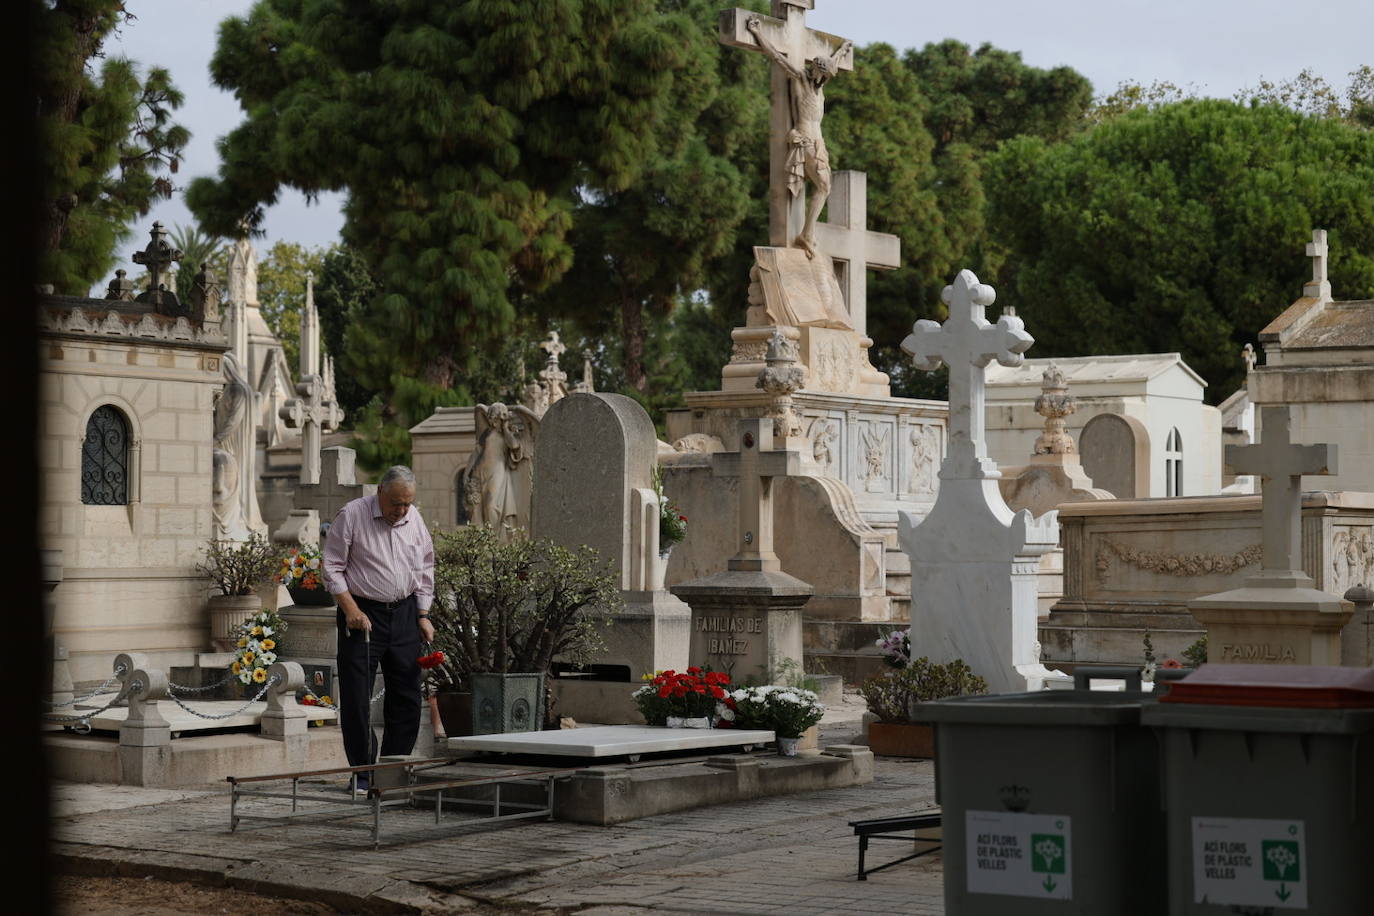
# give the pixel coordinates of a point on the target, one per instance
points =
(395, 474)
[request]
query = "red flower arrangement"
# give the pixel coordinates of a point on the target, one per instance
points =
(689, 694)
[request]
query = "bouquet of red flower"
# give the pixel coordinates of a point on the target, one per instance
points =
(432, 660)
(694, 693)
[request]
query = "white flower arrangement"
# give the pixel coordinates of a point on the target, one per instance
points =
(788, 711)
(256, 647)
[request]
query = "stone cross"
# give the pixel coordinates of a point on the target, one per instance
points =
(1247, 353)
(1280, 464)
(338, 484)
(1320, 286)
(158, 257)
(755, 464)
(852, 246)
(313, 413)
(553, 346)
(786, 30)
(966, 343)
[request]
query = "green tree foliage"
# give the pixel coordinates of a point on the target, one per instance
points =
(920, 125)
(1179, 229)
(641, 249)
(281, 294)
(460, 131)
(107, 137)
(197, 248)
(1310, 94)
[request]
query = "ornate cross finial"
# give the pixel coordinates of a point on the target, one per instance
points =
(158, 258)
(1054, 404)
(1320, 286)
(553, 346)
(967, 342)
(1248, 354)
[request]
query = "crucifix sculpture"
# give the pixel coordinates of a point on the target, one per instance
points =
(804, 60)
(967, 342)
(314, 412)
(1280, 465)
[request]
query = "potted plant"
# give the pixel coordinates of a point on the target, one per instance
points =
(892, 698)
(690, 699)
(302, 572)
(786, 711)
(237, 569)
(504, 611)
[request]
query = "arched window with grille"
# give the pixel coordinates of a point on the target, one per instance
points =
(105, 458)
(1173, 464)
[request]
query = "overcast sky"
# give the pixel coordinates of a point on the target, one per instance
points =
(1215, 46)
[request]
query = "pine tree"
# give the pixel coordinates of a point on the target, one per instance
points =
(460, 131)
(108, 141)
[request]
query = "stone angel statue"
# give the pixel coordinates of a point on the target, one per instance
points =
(499, 479)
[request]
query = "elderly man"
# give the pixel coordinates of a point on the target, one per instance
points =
(379, 566)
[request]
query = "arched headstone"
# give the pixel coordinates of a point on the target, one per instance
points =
(1115, 452)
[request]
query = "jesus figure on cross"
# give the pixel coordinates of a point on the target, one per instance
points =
(806, 157)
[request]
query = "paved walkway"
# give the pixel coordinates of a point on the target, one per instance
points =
(794, 854)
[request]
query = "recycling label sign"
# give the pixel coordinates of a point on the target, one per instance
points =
(1022, 855)
(1250, 862)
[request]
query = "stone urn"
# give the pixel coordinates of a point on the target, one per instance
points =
(227, 614)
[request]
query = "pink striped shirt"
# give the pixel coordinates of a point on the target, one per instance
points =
(369, 558)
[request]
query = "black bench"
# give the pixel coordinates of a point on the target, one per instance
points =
(891, 828)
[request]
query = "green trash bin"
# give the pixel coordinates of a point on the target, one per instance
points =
(1051, 801)
(1269, 785)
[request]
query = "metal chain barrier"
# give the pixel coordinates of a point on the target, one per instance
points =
(82, 717)
(321, 703)
(228, 715)
(174, 688)
(109, 682)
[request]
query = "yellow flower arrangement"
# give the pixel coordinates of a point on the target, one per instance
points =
(258, 638)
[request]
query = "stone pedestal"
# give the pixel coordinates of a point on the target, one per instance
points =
(652, 633)
(311, 641)
(746, 623)
(1275, 621)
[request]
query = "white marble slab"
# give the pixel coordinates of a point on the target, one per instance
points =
(182, 721)
(611, 741)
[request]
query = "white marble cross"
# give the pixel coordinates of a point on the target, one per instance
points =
(786, 30)
(755, 464)
(1320, 286)
(966, 343)
(553, 346)
(1280, 464)
(313, 413)
(1247, 353)
(847, 240)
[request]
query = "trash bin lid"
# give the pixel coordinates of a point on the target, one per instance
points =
(1290, 686)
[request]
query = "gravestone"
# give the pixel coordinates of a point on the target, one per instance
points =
(1115, 451)
(316, 409)
(311, 636)
(1277, 616)
(593, 486)
(974, 562)
(747, 620)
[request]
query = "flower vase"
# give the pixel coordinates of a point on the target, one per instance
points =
(697, 722)
(675, 722)
(787, 747)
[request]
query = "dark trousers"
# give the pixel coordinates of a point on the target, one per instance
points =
(395, 645)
